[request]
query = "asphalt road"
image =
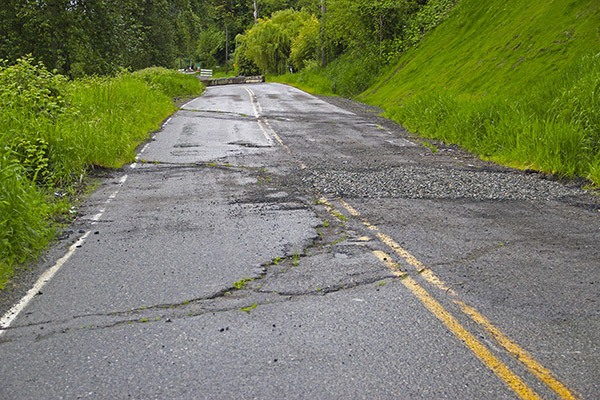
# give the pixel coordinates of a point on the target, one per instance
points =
(269, 244)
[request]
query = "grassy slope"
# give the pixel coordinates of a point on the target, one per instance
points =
(495, 72)
(499, 47)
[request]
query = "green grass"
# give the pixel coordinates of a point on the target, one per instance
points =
(241, 284)
(516, 82)
(346, 76)
(53, 131)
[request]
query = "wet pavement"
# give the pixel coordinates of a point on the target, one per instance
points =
(271, 244)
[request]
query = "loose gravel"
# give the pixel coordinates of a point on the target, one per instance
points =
(436, 178)
(417, 182)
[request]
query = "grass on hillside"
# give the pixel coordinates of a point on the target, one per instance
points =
(53, 130)
(346, 76)
(516, 82)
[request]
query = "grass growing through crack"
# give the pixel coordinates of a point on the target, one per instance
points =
(339, 215)
(276, 261)
(249, 308)
(239, 285)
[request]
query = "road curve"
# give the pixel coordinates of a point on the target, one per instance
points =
(271, 244)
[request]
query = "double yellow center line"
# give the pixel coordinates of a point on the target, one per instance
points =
(492, 362)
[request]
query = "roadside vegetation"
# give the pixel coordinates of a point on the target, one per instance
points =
(54, 131)
(517, 83)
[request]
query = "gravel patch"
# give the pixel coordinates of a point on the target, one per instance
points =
(418, 182)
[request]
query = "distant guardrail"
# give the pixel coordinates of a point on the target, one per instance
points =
(207, 73)
(232, 80)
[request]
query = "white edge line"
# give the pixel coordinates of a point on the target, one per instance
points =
(185, 105)
(9, 317)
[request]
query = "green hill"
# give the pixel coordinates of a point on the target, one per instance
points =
(514, 81)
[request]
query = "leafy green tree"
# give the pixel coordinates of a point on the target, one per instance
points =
(210, 44)
(268, 47)
(244, 66)
(306, 45)
(188, 28)
(269, 43)
(369, 25)
(79, 37)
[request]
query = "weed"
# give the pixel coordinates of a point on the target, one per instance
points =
(434, 149)
(340, 240)
(339, 215)
(296, 259)
(249, 308)
(239, 285)
(276, 261)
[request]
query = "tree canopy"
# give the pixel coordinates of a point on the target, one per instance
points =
(82, 37)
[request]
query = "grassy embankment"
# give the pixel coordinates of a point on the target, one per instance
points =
(515, 82)
(53, 131)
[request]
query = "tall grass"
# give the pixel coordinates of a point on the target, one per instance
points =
(555, 129)
(53, 131)
(346, 76)
(517, 82)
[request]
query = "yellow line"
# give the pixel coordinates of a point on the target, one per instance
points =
(541, 372)
(486, 356)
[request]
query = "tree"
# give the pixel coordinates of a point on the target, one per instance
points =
(306, 46)
(210, 43)
(79, 37)
(269, 43)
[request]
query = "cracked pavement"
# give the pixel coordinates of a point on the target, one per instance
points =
(238, 257)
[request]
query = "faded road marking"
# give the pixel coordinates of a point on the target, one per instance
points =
(8, 318)
(266, 128)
